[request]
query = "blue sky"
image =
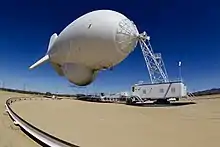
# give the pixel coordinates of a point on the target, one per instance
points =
(186, 30)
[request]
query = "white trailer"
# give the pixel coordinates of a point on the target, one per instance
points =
(160, 91)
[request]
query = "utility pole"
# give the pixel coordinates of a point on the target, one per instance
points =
(180, 71)
(56, 90)
(24, 87)
(3, 84)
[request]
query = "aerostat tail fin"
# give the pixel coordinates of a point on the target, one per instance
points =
(46, 57)
(39, 62)
(52, 40)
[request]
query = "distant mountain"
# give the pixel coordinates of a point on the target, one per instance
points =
(207, 92)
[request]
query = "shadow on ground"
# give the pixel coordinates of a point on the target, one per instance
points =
(172, 104)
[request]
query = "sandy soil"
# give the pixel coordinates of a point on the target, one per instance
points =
(10, 135)
(106, 125)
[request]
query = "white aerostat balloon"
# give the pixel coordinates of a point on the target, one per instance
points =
(97, 40)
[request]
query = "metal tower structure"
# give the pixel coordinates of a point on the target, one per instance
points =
(154, 62)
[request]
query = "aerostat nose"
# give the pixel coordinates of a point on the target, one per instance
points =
(126, 36)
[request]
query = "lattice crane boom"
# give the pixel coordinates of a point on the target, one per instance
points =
(154, 62)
